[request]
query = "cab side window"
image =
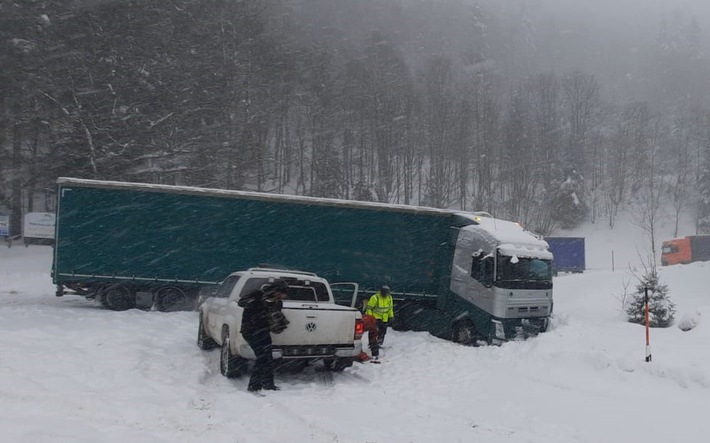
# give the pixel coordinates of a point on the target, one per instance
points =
(226, 287)
(482, 268)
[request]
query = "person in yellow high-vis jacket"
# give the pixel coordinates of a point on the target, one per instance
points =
(381, 306)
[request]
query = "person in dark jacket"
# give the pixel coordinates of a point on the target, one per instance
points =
(259, 306)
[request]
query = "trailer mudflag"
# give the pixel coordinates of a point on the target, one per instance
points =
(648, 335)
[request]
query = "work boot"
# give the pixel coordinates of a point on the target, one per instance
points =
(272, 388)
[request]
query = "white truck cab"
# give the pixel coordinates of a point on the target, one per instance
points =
(318, 328)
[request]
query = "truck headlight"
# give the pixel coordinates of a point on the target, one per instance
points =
(499, 329)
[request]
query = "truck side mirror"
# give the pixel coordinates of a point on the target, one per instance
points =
(487, 272)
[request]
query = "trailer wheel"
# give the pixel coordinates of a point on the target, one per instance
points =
(230, 365)
(204, 341)
(402, 315)
(170, 299)
(118, 298)
(465, 334)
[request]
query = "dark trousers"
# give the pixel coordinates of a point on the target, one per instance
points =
(262, 375)
(374, 341)
(381, 331)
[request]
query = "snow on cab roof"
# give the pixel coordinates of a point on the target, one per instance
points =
(510, 237)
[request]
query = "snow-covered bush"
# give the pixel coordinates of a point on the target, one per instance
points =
(689, 321)
(661, 309)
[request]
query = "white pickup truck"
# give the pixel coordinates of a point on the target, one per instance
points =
(318, 328)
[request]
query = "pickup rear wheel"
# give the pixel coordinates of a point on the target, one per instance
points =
(290, 366)
(230, 365)
(337, 364)
(204, 341)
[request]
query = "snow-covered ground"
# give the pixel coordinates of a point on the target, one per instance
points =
(71, 371)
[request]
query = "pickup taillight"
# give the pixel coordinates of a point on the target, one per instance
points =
(359, 329)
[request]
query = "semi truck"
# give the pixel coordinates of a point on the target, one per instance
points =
(685, 250)
(568, 253)
(464, 276)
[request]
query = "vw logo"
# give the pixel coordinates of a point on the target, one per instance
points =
(310, 327)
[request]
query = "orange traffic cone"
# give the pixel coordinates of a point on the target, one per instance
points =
(363, 357)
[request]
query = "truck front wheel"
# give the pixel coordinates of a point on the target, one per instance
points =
(465, 334)
(118, 298)
(230, 365)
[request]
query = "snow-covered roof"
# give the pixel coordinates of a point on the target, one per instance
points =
(249, 195)
(258, 196)
(511, 238)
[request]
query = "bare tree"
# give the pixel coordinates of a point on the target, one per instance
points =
(680, 174)
(441, 124)
(581, 99)
(648, 198)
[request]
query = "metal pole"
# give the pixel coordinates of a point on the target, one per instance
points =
(648, 337)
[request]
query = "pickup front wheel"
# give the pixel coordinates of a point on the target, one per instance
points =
(230, 365)
(204, 341)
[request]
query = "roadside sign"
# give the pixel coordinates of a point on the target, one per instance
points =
(4, 225)
(39, 225)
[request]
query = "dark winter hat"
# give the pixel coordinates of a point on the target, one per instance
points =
(277, 285)
(384, 290)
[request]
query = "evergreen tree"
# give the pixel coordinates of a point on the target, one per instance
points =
(661, 309)
(362, 192)
(566, 200)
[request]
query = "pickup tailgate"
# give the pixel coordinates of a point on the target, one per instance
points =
(317, 324)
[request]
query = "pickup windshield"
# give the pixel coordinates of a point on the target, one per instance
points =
(523, 273)
(298, 290)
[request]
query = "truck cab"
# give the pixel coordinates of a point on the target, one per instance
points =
(685, 250)
(504, 276)
(676, 251)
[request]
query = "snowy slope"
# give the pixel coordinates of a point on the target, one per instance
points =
(71, 371)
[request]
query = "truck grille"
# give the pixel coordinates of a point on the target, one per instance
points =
(309, 350)
(522, 311)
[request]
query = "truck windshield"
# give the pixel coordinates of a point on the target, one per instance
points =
(669, 249)
(523, 273)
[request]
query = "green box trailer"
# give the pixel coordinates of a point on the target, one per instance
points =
(140, 245)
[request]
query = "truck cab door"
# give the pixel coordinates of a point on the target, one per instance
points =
(345, 293)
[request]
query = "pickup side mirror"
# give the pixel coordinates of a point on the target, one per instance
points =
(208, 291)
